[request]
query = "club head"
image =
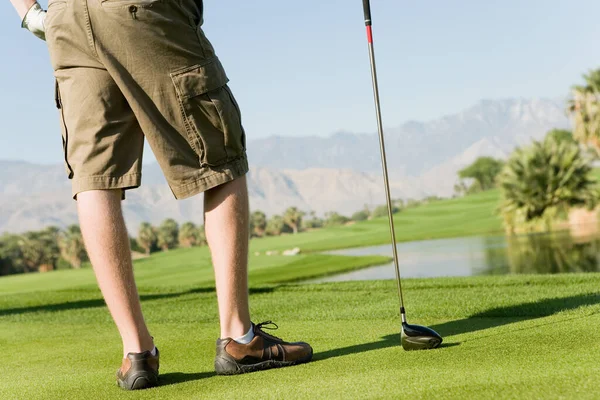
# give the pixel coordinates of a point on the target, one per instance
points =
(417, 337)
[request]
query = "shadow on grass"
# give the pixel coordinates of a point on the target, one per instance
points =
(499, 316)
(95, 303)
(385, 342)
(491, 318)
(175, 378)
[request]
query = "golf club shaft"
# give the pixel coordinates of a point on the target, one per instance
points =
(367, 10)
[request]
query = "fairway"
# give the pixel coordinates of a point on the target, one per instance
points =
(505, 337)
(466, 216)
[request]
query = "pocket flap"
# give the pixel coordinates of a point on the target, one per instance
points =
(199, 79)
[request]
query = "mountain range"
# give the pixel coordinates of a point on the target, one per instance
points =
(340, 173)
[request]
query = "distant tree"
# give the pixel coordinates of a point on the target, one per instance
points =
(147, 237)
(201, 236)
(313, 222)
(11, 255)
(382, 211)
(188, 235)
(398, 203)
(361, 215)
(333, 219)
(258, 222)
(483, 171)
(72, 249)
(40, 249)
(276, 226)
(293, 218)
(584, 108)
(167, 234)
(135, 246)
(460, 188)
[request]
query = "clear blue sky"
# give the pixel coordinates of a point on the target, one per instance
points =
(301, 68)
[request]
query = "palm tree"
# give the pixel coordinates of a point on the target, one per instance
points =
(146, 237)
(332, 218)
(275, 225)
(539, 183)
(188, 235)
(72, 249)
(313, 222)
(293, 218)
(167, 234)
(40, 250)
(584, 109)
(258, 221)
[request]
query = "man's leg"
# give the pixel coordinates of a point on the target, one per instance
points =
(107, 244)
(226, 224)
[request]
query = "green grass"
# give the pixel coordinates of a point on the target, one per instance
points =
(505, 337)
(467, 216)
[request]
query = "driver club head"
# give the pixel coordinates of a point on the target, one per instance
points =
(417, 337)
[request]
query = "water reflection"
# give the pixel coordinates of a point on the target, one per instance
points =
(543, 254)
(483, 255)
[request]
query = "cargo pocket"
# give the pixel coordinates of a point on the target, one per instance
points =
(212, 117)
(63, 127)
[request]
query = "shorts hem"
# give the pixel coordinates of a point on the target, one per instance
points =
(84, 184)
(211, 177)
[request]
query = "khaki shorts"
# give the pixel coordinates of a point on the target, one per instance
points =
(129, 69)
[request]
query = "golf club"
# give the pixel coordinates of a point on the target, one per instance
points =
(413, 337)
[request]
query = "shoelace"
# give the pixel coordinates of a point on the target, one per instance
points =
(270, 325)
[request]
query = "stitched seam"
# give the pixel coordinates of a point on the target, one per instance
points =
(193, 134)
(235, 165)
(109, 177)
(126, 4)
(222, 124)
(66, 136)
(180, 71)
(88, 26)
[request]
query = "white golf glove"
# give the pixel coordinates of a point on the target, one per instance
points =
(34, 21)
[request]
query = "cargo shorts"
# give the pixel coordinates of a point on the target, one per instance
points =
(132, 69)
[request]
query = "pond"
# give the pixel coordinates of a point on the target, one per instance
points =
(480, 255)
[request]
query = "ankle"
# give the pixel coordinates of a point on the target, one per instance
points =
(246, 338)
(138, 345)
(235, 329)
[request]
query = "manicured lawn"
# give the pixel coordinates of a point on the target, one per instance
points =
(505, 337)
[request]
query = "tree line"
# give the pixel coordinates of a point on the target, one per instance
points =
(44, 250)
(54, 248)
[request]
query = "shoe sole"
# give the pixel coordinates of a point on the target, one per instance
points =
(224, 366)
(139, 382)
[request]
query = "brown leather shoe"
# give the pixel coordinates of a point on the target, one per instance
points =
(139, 371)
(263, 352)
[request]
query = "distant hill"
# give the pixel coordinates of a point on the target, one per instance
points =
(337, 173)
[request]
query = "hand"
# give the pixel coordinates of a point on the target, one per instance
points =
(34, 21)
